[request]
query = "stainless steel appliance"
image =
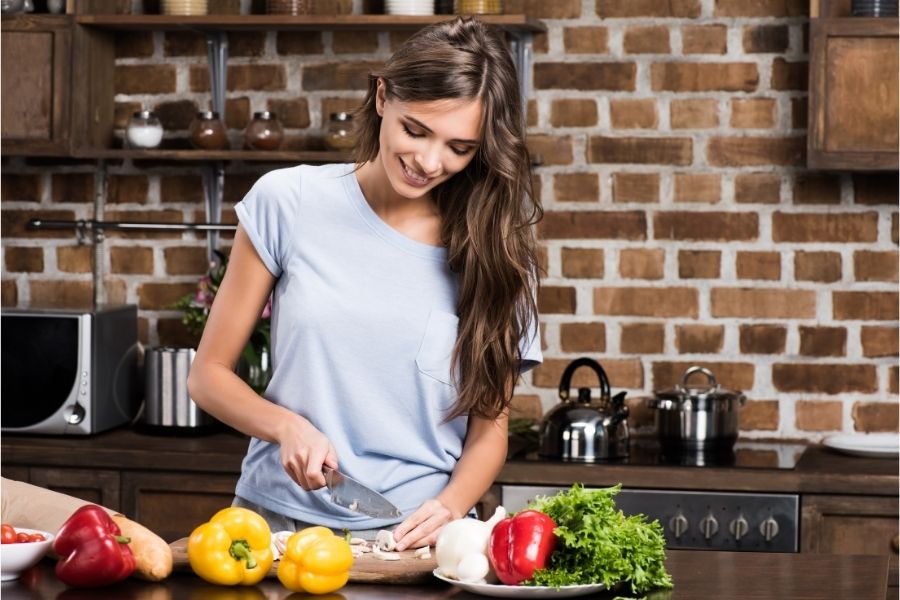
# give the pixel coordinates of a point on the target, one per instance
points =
(167, 404)
(68, 371)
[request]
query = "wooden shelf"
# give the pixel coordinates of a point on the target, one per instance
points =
(324, 156)
(515, 23)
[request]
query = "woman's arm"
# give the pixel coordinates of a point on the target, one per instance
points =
(215, 387)
(482, 458)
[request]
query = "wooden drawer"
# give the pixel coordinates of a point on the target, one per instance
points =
(849, 524)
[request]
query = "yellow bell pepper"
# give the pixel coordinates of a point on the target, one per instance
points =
(315, 561)
(232, 548)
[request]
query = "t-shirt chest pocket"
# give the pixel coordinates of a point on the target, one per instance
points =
(436, 349)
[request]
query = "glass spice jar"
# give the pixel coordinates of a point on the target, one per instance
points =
(143, 130)
(340, 132)
(208, 132)
(264, 132)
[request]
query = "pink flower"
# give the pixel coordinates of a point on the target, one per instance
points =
(267, 309)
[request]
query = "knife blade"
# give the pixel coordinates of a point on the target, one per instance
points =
(351, 494)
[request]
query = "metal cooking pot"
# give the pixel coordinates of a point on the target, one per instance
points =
(584, 430)
(167, 405)
(697, 417)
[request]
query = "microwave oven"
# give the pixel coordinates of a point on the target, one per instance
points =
(67, 371)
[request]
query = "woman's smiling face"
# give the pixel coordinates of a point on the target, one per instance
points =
(423, 144)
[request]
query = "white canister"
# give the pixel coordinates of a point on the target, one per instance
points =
(144, 130)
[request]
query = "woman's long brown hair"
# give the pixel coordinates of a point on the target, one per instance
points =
(487, 210)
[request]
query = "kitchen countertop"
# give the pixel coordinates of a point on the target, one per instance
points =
(697, 576)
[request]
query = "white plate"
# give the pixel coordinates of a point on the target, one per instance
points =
(865, 444)
(523, 591)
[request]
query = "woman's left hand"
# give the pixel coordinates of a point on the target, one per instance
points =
(423, 526)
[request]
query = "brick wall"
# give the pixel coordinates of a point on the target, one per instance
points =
(681, 224)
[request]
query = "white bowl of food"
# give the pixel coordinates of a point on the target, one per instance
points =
(17, 557)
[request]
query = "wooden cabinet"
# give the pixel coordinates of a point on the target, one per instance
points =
(99, 486)
(848, 524)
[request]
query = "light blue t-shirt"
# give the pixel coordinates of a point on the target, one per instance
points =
(363, 326)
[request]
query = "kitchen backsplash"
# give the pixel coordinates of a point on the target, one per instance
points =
(681, 225)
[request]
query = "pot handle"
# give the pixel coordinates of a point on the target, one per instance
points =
(695, 369)
(566, 381)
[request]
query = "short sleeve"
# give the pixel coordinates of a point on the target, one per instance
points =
(267, 213)
(530, 348)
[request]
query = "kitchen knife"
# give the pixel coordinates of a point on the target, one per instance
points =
(349, 493)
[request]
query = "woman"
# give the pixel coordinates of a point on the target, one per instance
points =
(403, 304)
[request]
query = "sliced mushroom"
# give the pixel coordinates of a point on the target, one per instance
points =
(384, 540)
(382, 555)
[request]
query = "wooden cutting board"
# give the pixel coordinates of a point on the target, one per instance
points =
(365, 569)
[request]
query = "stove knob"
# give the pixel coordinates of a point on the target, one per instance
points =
(678, 525)
(709, 526)
(739, 527)
(769, 528)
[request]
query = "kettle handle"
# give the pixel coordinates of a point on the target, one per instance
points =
(566, 381)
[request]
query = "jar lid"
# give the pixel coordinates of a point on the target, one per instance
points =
(144, 114)
(207, 115)
(697, 395)
(341, 116)
(265, 115)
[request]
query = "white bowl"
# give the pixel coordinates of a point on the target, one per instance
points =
(19, 557)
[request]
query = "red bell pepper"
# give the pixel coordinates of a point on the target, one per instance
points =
(520, 545)
(92, 551)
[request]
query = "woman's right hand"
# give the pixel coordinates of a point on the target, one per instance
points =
(304, 451)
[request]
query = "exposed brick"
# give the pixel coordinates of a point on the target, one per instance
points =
(761, 8)
(622, 373)
(172, 332)
(704, 39)
(582, 263)
(250, 77)
(871, 188)
(705, 339)
(16, 187)
(651, 39)
(830, 227)
(765, 38)
(698, 264)
(336, 105)
(647, 302)
(556, 299)
(733, 376)
(757, 188)
(817, 189)
(14, 223)
(799, 112)
(875, 266)
(787, 76)
(186, 261)
(134, 44)
(237, 186)
(181, 188)
(875, 416)
(818, 415)
(354, 42)
(246, 43)
(185, 43)
(299, 42)
(585, 76)
(161, 296)
(879, 341)
(337, 76)
(763, 339)
(698, 187)
(633, 113)
(864, 306)
(576, 187)
(127, 188)
(131, 260)
(526, 407)
(553, 149)
(543, 260)
(635, 187)
(144, 79)
(705, 226)
(122, 112)
(823, 341)
(586, 40)
(823, 378)
(10, 293)
(753, 113)
(582, 337)
(817, 266)
(237, 112)
(20, 259)
(763, 303)
(758, 265)
(176, 115)
(152, 216)
(755, 151)
(293, 113)
(894, 379)
(694, 114)
(575, 112)
(682, 9)
(641, 263)
(73, 187)
(61, 294)
(622, 225)
(531, 113)
(641, 150)
(539, 9)
(704, 77)
(642, 338)
(540, 42)
(759, 415)
(74, 259)
(895, 230)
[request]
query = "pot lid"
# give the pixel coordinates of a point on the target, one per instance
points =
(698, 392)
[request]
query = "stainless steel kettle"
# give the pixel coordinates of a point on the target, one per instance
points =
(584, 430)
